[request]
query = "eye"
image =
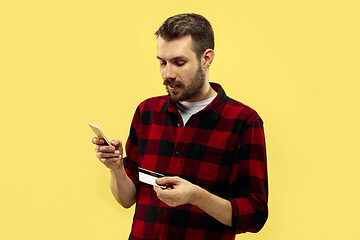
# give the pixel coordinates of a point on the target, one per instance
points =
(163, 63)
(180, 63)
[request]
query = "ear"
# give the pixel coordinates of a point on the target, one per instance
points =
(207, 58)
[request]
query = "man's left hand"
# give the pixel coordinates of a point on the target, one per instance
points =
(178, 193)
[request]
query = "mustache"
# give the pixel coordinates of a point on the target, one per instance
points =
(172, 82)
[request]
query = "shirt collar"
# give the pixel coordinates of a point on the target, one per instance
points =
(213, 109)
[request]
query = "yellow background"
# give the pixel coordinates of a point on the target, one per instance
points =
(66, 63)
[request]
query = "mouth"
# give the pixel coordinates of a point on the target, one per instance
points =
(172, 86)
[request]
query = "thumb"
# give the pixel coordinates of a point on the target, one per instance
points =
(167, 180)
(116, 143)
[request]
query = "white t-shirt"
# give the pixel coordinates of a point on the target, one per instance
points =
(191, 108)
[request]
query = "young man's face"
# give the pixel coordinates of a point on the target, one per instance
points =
(180, 69)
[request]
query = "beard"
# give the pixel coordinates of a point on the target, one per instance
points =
(188, 91)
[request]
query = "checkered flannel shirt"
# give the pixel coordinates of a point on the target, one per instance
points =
(221, 149)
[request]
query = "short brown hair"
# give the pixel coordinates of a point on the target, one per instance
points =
(195, 25)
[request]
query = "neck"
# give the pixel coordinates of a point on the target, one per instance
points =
(205, 92)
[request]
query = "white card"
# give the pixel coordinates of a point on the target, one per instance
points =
(149, 177)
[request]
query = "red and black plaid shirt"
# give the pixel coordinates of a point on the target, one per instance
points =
(221, 149)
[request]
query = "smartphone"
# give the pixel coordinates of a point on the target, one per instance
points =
(99, 133)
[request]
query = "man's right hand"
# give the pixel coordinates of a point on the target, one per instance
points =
(121, 185)
(110, 156)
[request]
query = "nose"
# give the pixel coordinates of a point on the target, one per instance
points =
(168, 72)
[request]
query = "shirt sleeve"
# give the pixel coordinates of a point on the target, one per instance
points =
(131, 161)
(249, 182)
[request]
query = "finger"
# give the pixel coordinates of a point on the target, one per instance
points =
(100, 154)
(97, 141)
(156, 189)
(94, 140)
(117, 144)
(108, 155)
(116, 159)
(109, 149)
(108, 161)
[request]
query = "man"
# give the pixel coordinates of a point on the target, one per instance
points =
(210, 148)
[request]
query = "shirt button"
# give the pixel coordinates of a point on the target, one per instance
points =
(179, 125)
(177, 153)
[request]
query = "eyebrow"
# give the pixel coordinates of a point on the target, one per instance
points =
(175, 58)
